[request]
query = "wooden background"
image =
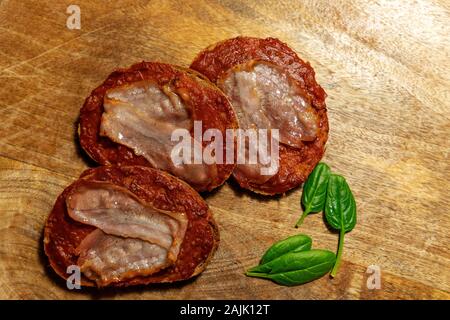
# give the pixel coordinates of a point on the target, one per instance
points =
(385, 66)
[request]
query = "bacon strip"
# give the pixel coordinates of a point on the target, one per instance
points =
(143, 117)
(125, 224)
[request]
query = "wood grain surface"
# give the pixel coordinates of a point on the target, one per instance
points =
(385, 66)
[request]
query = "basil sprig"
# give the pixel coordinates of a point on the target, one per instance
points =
(340, 212)
(314, 191)
(291, 262)
(328, 192)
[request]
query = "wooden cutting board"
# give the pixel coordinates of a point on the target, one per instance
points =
(384, 65)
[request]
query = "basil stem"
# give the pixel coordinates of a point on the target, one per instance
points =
(296, 268)
(340, 212)
(314, 191)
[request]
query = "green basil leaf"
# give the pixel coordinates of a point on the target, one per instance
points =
(340, 207)
(340, 211)
(295, 268)
(299, 242)
(315, 190)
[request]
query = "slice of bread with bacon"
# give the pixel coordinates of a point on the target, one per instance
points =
(129, 225)
(130, 119)
(270, 87)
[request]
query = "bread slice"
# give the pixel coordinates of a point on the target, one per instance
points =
(202, 100)
(295, 162)
(63, 235)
